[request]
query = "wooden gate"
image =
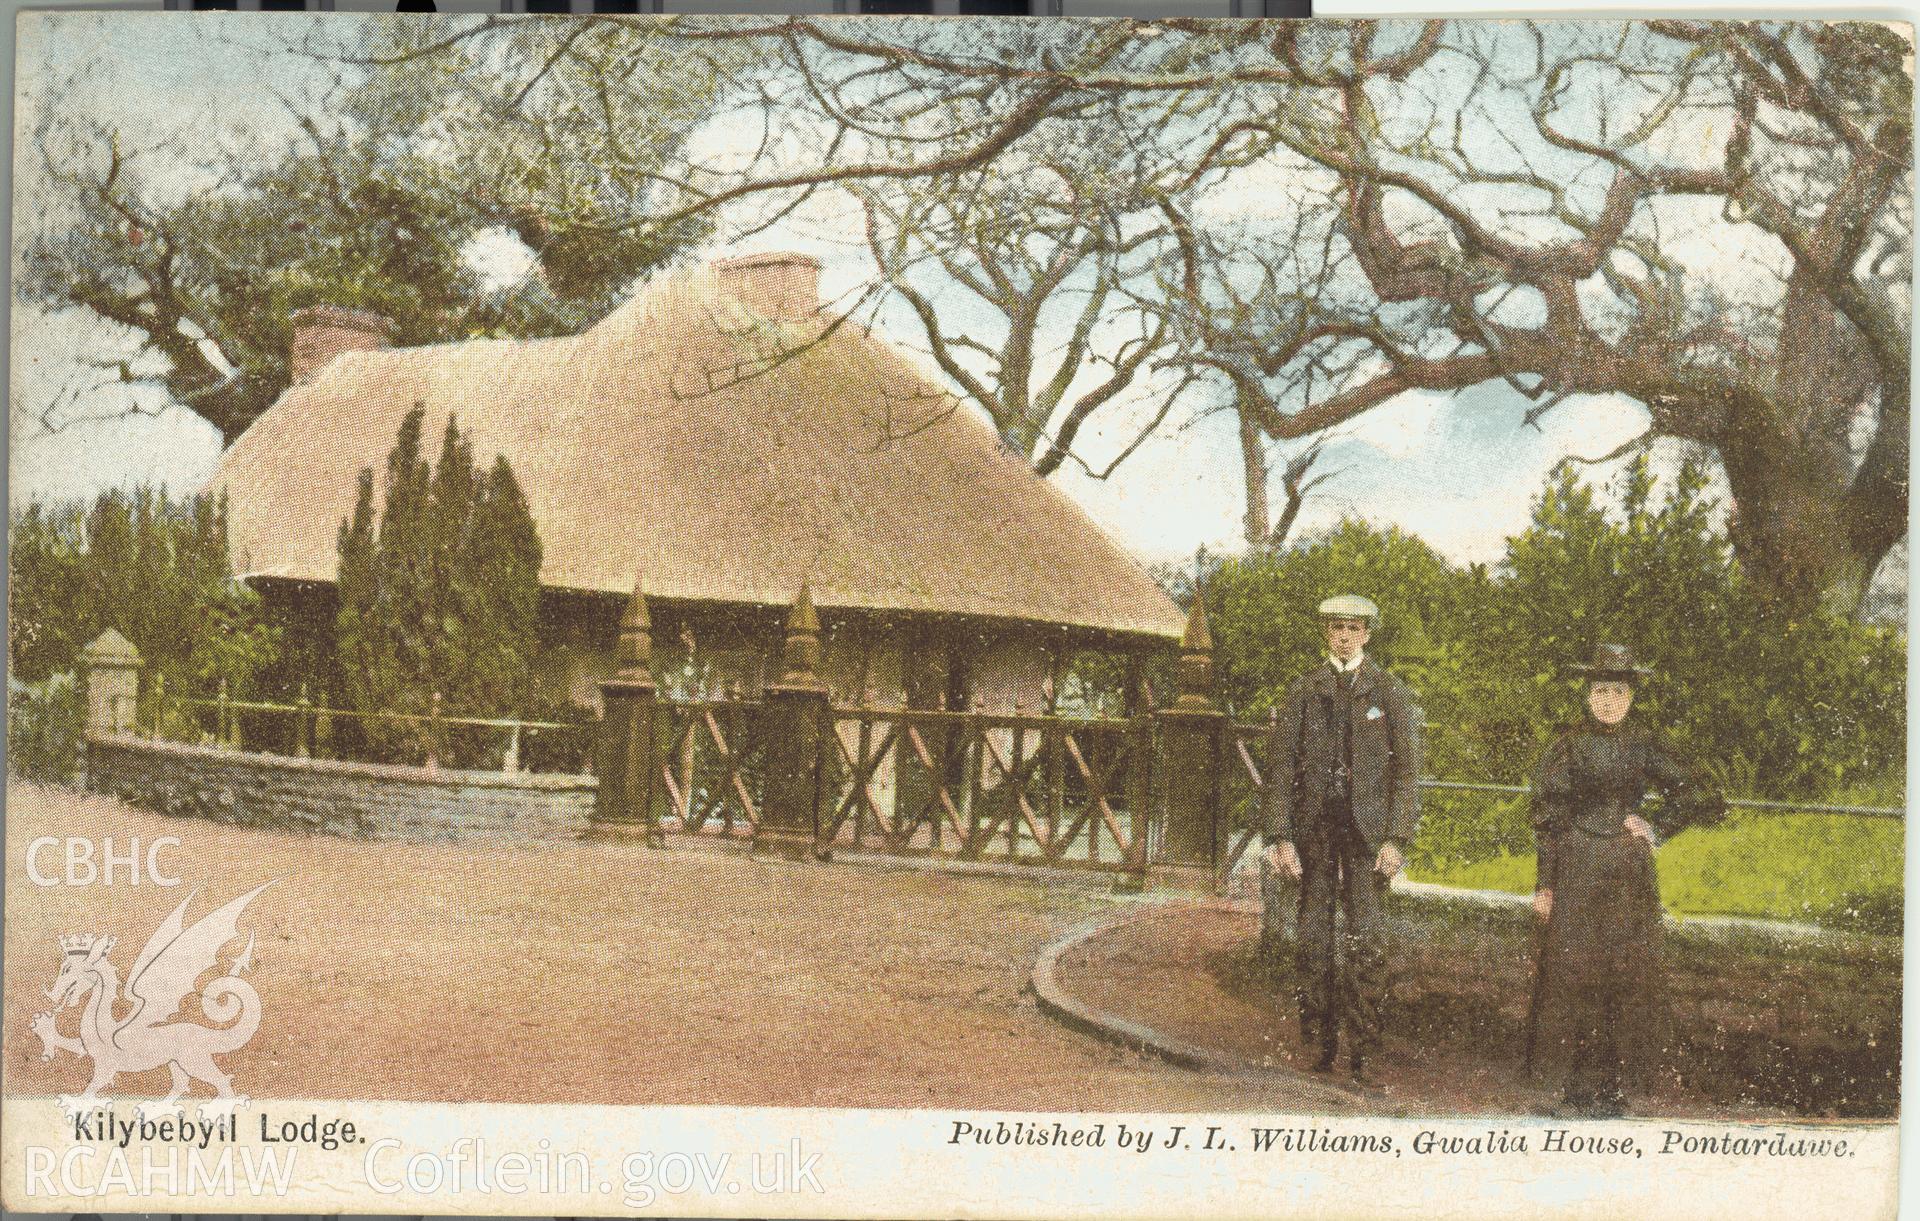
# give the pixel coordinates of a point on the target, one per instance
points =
(712, 778)
(1031, 790)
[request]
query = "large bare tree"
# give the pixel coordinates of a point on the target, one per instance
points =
(1023, 279)
(1713, 220)
(1710, 219)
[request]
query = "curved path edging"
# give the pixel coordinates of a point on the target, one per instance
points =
(1070, 1011)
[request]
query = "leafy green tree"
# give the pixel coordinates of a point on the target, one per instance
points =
(154, 568)
(1809, 707)
(499, 583)
(1791, 706)
(45, 544)
(149, 566)
(438, 594)
(1262, 606)
(45, 721)
(363, 652)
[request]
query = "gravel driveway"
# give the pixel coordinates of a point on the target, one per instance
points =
(596, 972)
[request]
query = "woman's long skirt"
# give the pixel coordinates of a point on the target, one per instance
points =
(1596, 1021)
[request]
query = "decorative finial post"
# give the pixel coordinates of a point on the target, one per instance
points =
(1193, 746)
(633, 656)
(800, 659)
(797, 717)
(1196, 662)
(112, 668)
(626, 755)
(156, 724)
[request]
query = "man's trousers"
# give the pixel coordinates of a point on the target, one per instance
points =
(1340, 964)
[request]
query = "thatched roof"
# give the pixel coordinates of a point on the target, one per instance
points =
(725, 455)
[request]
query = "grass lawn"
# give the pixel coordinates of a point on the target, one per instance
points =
(1831, 868)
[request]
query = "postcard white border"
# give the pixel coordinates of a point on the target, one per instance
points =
(881, 1163)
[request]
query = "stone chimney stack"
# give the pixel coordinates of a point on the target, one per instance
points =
(322, 332)
(784, 286)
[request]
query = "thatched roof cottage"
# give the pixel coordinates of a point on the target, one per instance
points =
(719, 434)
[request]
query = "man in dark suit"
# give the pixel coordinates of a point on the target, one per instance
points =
(1341, 807)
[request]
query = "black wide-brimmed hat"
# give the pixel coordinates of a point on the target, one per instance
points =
(1612, 661)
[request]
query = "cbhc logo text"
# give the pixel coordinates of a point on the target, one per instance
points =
(104, 864)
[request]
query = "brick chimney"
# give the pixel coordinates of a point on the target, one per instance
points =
(783, 286)
(322, 332)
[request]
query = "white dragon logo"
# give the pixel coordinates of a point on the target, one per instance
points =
(162, 977)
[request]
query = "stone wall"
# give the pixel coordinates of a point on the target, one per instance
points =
(361, 800)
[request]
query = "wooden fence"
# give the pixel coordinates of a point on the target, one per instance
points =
(1178, 789)
(793, 773)
(305, 730)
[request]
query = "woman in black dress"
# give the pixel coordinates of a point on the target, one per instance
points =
(1595, 1024)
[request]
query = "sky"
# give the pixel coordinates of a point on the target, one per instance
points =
(1458, 470)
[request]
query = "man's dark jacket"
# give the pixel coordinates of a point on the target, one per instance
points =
(1309, 744)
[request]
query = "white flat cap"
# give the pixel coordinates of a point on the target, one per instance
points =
(1349, 606)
